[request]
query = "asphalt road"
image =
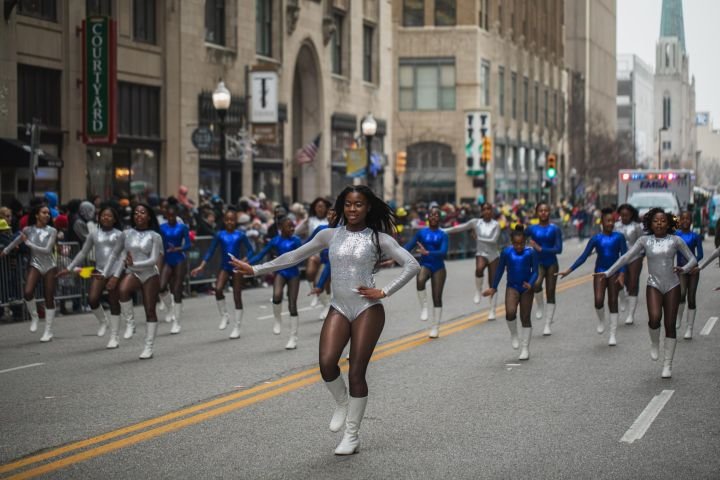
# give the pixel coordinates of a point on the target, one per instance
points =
(461, 406)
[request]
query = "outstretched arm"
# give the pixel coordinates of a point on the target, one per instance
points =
(462, 227)
(211, 251)
(499, 271)
(708, 260)
(623, 260)
(585, 254)
(82, 254)
(289, 259)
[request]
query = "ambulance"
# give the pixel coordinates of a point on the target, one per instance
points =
(671, 190)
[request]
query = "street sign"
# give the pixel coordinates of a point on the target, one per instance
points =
(202, 138)
(99, 81)
(264, 102)
(477, 128)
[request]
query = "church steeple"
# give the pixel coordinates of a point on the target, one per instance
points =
(672, 23)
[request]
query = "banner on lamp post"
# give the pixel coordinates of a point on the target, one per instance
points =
(99, 81)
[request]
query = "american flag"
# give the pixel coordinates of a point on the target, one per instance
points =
(307, 153)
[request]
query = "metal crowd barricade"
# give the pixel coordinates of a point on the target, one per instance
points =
(195, 256)
(69, 287)
(11, 285)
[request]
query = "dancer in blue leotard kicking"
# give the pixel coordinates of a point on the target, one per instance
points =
(176, 241)
(283, 243)
(432, 245)
(522, 266)
(231, 241)
(609, 246)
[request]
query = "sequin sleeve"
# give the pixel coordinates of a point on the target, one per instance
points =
(708, 260)
(16, 241)
(462, 227)
(48, 249)
(685, 251)
(638, 247)
(82, 254)
(317, 244)
(390, 247)
(157, 250)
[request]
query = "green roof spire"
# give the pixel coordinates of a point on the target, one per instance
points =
(671, 22)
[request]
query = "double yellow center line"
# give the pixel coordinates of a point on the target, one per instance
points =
(170, 422)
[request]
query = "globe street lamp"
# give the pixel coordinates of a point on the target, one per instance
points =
(369, 129)
(221, 101)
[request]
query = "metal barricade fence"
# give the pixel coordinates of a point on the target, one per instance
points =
(195, 256)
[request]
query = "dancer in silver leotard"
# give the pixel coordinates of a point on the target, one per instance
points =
(487, 252)
(107, 243)
(663, 284)
(142, 250)
(356, 313)
(631, 228)
(40, 238)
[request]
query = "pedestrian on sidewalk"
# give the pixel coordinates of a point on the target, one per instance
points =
(356, 314)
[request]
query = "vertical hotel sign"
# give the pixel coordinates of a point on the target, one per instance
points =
(99, 81)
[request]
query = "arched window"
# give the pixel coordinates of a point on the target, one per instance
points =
(666, 110)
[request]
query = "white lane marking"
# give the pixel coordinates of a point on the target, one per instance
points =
(643, 422)
(265, 317)
(20, 368)
(708, 326)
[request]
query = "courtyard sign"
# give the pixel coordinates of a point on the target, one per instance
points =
(99, 81)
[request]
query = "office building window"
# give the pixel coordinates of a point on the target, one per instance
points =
(537, 102)
(666, 111)
(263, 27)
(144, 21)
(483, 15)
(337, 44)
(427, 84)
(526, 86)
(545, 109)
(413, 13)
(101, 8)
(501, 90)
(445, 13)
(555, 110)
(42, 9)
(215, 21)
(139, 111)
(38, 95)
(368, 33)
(513, 94)
(485, 79)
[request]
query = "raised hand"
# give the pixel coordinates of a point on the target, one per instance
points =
(421, 249)
(241, 267)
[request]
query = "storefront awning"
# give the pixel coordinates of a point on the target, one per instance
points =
(16, 154)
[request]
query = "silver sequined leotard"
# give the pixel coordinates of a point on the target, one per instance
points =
(353, 257)
(660, 253)
(41, 242)
(487, 235)
(632, 231)
(108, 246)
(145, 246)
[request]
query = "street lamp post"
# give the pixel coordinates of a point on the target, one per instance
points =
(221, 101)
(369, 129)
(660, 130)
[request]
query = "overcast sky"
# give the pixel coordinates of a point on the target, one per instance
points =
(638, 28)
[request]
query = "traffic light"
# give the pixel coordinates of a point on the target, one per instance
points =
(486, 155)
(551, 171)
(400, 162)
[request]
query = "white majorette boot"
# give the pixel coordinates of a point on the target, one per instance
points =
(149, 340)
(339, 392)
(654, 343)
(600, 312)
(351, 441)
(525, 335)
(493, 304)
(690, 323)
(325, 302)
(292, 341)
(277, 318)
(678, 319)
(622, 300)
(512, 326)
(478, 290)
(49, 318)
(549, 315)
(435, 327)
(612, 341)
(126, 312)
(167, 300)
(31, 306)
(314, 300)
(114, 329)
(238, 323)
(177, 311)
(224, 317)
(422, 298)
(669, 348)
(632, 304)
(102, 320)
(539, 305)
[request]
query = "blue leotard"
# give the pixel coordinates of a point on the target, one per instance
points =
(230, 243)
(436, 243)
(177, 235)
(549, 237)
(281, 245)
(608, 248)
(522, 267)
(694, 243)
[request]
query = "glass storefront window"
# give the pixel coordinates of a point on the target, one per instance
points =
(122, 172)
(209, 180)
(269, 181)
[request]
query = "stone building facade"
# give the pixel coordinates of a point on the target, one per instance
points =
(635, 108)
(503, 58)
